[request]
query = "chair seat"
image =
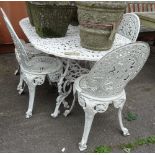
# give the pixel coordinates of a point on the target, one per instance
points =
(81, 86)
(43, 65)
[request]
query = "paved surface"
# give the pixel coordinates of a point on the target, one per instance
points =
(41, 133)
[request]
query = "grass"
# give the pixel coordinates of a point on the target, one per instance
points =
(139, 142)
(127, 147)
(103, 149)
(131, 116)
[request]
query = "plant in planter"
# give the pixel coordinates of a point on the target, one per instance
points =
(99, 22)
(51, 18)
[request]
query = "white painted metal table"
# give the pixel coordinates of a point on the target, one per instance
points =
(69, 49)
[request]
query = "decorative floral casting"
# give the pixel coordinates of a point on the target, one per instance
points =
(68, 46)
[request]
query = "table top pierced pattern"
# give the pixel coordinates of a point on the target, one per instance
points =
(68, 46)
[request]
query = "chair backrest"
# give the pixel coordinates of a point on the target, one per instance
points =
(129, 26)
(110, 74)
(21, 54)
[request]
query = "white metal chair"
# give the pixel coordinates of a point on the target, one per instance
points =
(129, 26)
(31, 52)
(106, 81)
(33, 71)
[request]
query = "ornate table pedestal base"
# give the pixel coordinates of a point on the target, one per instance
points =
(72, 71)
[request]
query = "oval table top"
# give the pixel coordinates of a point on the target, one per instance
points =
(68, 46)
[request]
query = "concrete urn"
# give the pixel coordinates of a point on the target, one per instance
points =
(50, 18)
(99, 22)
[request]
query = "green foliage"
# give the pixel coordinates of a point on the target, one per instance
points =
(139, 142)
(131, 116)
(151, 139)
(129, 146)
(103, 149)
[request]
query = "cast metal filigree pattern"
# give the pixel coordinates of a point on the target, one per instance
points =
(75, 71)
(35, 69)
(72, 70)
(22, 56)
(24, 52)
(130, 26)
(68, 46)
(110, 75)
(105, 84)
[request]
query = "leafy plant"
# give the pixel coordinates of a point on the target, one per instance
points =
(139, 142)
(127, 147)
(131, 116)
(103, 149)
(151, 139)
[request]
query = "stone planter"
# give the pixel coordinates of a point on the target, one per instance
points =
(28, 4)
(51, 18)
(99, 22)
(74, 19)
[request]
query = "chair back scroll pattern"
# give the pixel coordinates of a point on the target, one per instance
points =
(21, 54)
(110, 75)
(129, 26)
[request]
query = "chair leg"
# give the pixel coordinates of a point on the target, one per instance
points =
(21, 85)
(31, 88)
(119, 103)
(32, 81)
(89, 117)
(125, 130)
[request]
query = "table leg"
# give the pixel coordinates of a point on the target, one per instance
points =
(63, 93)
(72, 71)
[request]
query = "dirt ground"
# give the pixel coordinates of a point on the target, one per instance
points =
(42, 133)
